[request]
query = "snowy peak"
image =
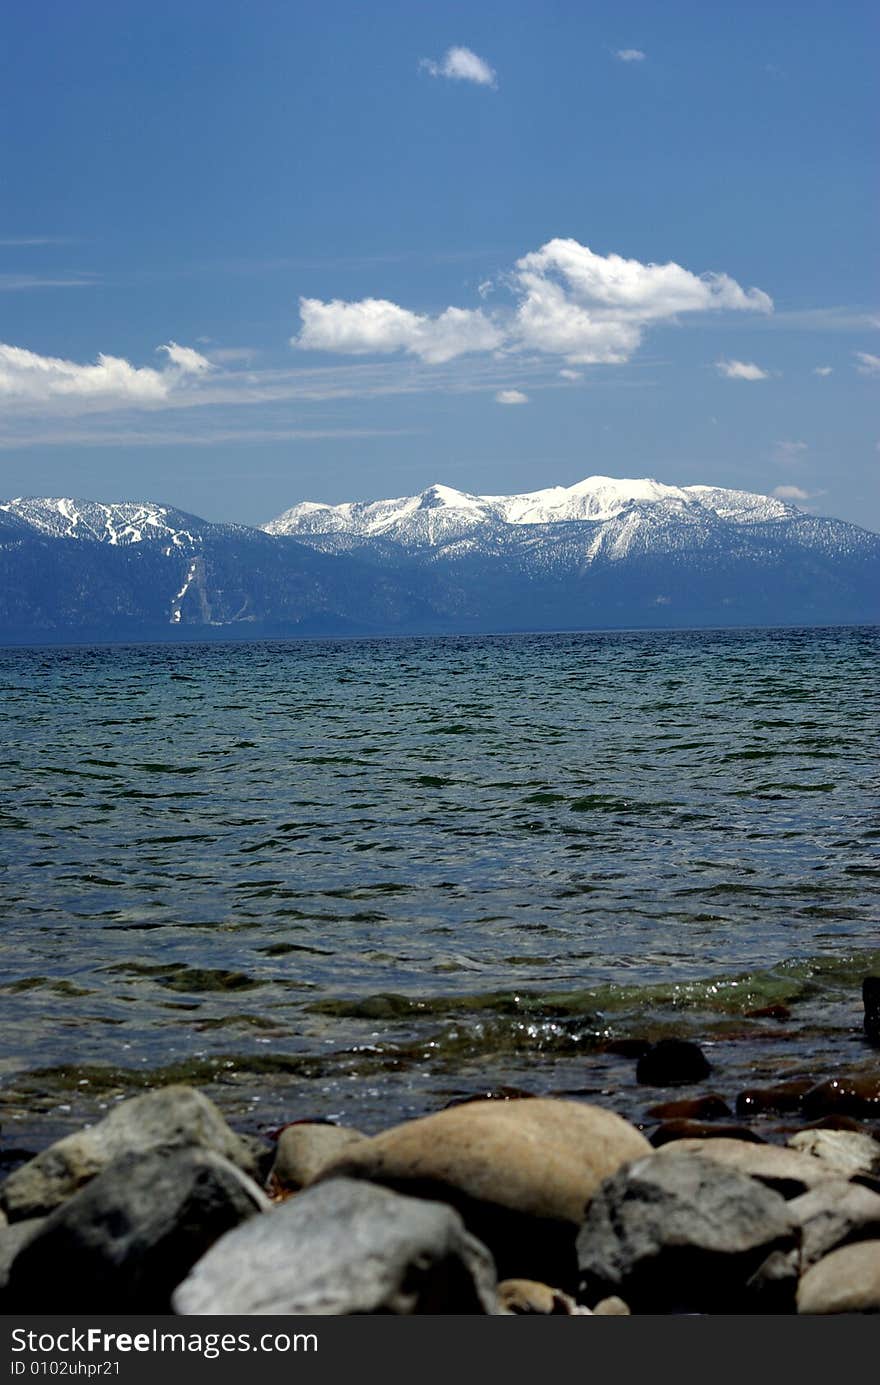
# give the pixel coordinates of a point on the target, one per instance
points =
(119, 525)
(443, 513)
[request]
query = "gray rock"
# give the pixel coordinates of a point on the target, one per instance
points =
(847, 1152)
(170, 1116)
(784, 1170)
(681, 1234)
(344, 1247)
(846, 1281)
(835, 1214)
(305, 1150)
(123, 1243)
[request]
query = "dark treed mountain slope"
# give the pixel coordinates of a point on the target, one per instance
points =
(600, 554)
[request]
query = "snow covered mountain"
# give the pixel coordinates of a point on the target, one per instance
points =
(603, 553)
(441, 514)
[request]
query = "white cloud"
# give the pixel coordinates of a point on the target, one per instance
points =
(868, 364)
(511, 397)
(823, 370)
(791, 493)
(461, 65)
(375, 326)
(568, 301)
(630, 55)
(28, 377)
(571, 374)
(741, 370)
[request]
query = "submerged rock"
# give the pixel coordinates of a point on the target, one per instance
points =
(671, 1063)
(856, 1095)
(833, 1215)
(846, 1281)
(871, 1002)
(779, 1099)
(784, 1170)
(344, 1247)
(520, 1173)
(305, 1150)
(124, 1242)
(170, 1116)
(681, 1235)
(696, 1108)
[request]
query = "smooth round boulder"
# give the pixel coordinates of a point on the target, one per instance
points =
(521, 1173)
(305, 1149)
(846, 1281)
(784, 1170)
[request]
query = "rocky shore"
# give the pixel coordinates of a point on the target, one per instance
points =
(500, 1205)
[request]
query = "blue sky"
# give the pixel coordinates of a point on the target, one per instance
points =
(497, 246)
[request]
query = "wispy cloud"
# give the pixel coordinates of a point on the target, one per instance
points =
(630, 55)
(741, 370)
(823, 370)
(570, 374)
(511, 397)
(789, 451)
(461, 65)
(867, 364)
(568, 302)
(21, 242)
(16, 283)
(791, 493)
(206, 436)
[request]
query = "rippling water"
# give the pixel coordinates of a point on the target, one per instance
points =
(356, 878)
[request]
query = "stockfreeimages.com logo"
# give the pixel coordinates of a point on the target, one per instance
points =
(94, 1341)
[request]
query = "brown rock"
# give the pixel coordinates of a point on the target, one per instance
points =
(779, 1099)
(304, 1150)
(835, 1214)
(844, 1151)
(769, 1012)
(697, 1108)
(702, 1130)
(784, 1170)
(848, 1095)
(520, 1173)
(846, 1281)
(528, 1296)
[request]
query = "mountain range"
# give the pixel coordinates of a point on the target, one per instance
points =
(603, 553)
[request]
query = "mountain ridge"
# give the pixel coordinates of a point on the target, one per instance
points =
(602, 553)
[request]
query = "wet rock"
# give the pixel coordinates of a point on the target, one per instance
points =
(124, 1242)
(494, 1094)
(844, 1151)
(170, 1116)
(769, 1012)
(702, 1130)
(627, 1048)
(672, 1063)
(523, 1296)
(778, 1100)
(848, 1096)
(871, 1002)
(843, 1123)
(344, 1247)
(303, 1151)
(698, 1108)
(784, 1170)
(519, 1172)
(833, 1215)
(846, 1281)
(680, 1235)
